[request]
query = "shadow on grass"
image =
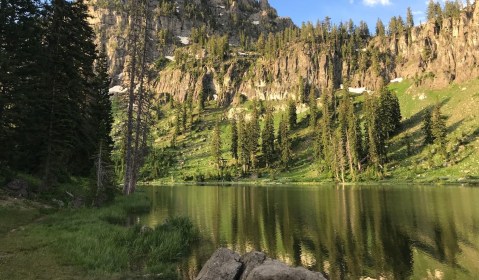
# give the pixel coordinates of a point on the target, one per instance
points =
(398, 151)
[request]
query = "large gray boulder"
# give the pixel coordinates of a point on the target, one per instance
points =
(226, 264)
(276, 270)
(223, 264)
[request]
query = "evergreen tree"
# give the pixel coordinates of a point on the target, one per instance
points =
(184, 116)
(67, 85)
(234, 139)
(350, 135)
(427, 128)
(313, 109)
(438, 127)
(389, 113)
(374, 136)
(409, 18)
(242, 144)
(284, 142)
(380, 29)
(431, 10)
(21, 67)
(253, 134)
(216, 145)
(292, 116)
(268, 138)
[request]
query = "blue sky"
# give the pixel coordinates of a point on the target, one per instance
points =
(343, 10)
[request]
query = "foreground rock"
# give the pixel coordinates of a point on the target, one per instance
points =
(226, 264)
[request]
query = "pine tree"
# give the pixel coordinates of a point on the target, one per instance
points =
(313, 108)
(216, 145)
(234, 139)
(374, 136)
(101, 117)
(409, 18)
(21, 67)
(427, 128)
(292, 116)
(268, 138)
(438, 127)
(184, 116)
(253, 134)
(242, 144)
(67, 85)
(431, 10)
(389, 113)
(350, 134)
(284, 142)
(380, 29)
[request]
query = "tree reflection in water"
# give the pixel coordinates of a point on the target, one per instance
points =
(346, 232)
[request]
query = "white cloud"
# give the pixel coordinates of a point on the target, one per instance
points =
(377, 2)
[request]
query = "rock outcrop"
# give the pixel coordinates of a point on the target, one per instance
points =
(433, 54)
(176, 20)
(225, 264)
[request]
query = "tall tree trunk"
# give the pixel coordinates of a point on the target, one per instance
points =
(131, 101)
(138, 128)
(350, 158)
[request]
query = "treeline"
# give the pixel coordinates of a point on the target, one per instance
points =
(349, 141)
(55, 111)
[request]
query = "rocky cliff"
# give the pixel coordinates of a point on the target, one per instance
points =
(173, 22)
(434, 53)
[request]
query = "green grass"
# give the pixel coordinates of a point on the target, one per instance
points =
(460, 103)
(92, 243)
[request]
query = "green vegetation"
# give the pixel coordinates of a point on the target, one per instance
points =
(55, 111)
(407, 156)
(101, 243)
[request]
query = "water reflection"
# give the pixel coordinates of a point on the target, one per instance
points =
(346, 232)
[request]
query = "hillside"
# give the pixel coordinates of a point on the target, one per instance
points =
(239, 53)
(191, 160)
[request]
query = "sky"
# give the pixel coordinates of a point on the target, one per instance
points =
(343, 10)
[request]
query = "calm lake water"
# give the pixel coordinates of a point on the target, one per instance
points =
(345, 232)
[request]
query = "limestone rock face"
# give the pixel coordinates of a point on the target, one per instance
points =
(225, 264)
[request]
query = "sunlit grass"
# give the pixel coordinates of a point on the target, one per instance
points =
(100, 242)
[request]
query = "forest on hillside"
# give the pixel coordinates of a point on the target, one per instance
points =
(59, 116)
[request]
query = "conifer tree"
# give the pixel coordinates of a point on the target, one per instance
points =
(438, 127)
(427, 128)
(284, 142)
(292, 116)
(253, 134)
(22, 120)
(380, 29)
(184, 116)
(216, 145)
(409, 18)
(67, 88)
(234, 139)
(101, 117)
(389, 112)
(313, 108)
(242, 144)
(268, 138)
(374, 137)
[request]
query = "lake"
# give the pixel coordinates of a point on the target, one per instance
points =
(346, 232)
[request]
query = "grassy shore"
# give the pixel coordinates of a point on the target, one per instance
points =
(41, 242)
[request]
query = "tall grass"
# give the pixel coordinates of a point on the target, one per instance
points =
(98, 240)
